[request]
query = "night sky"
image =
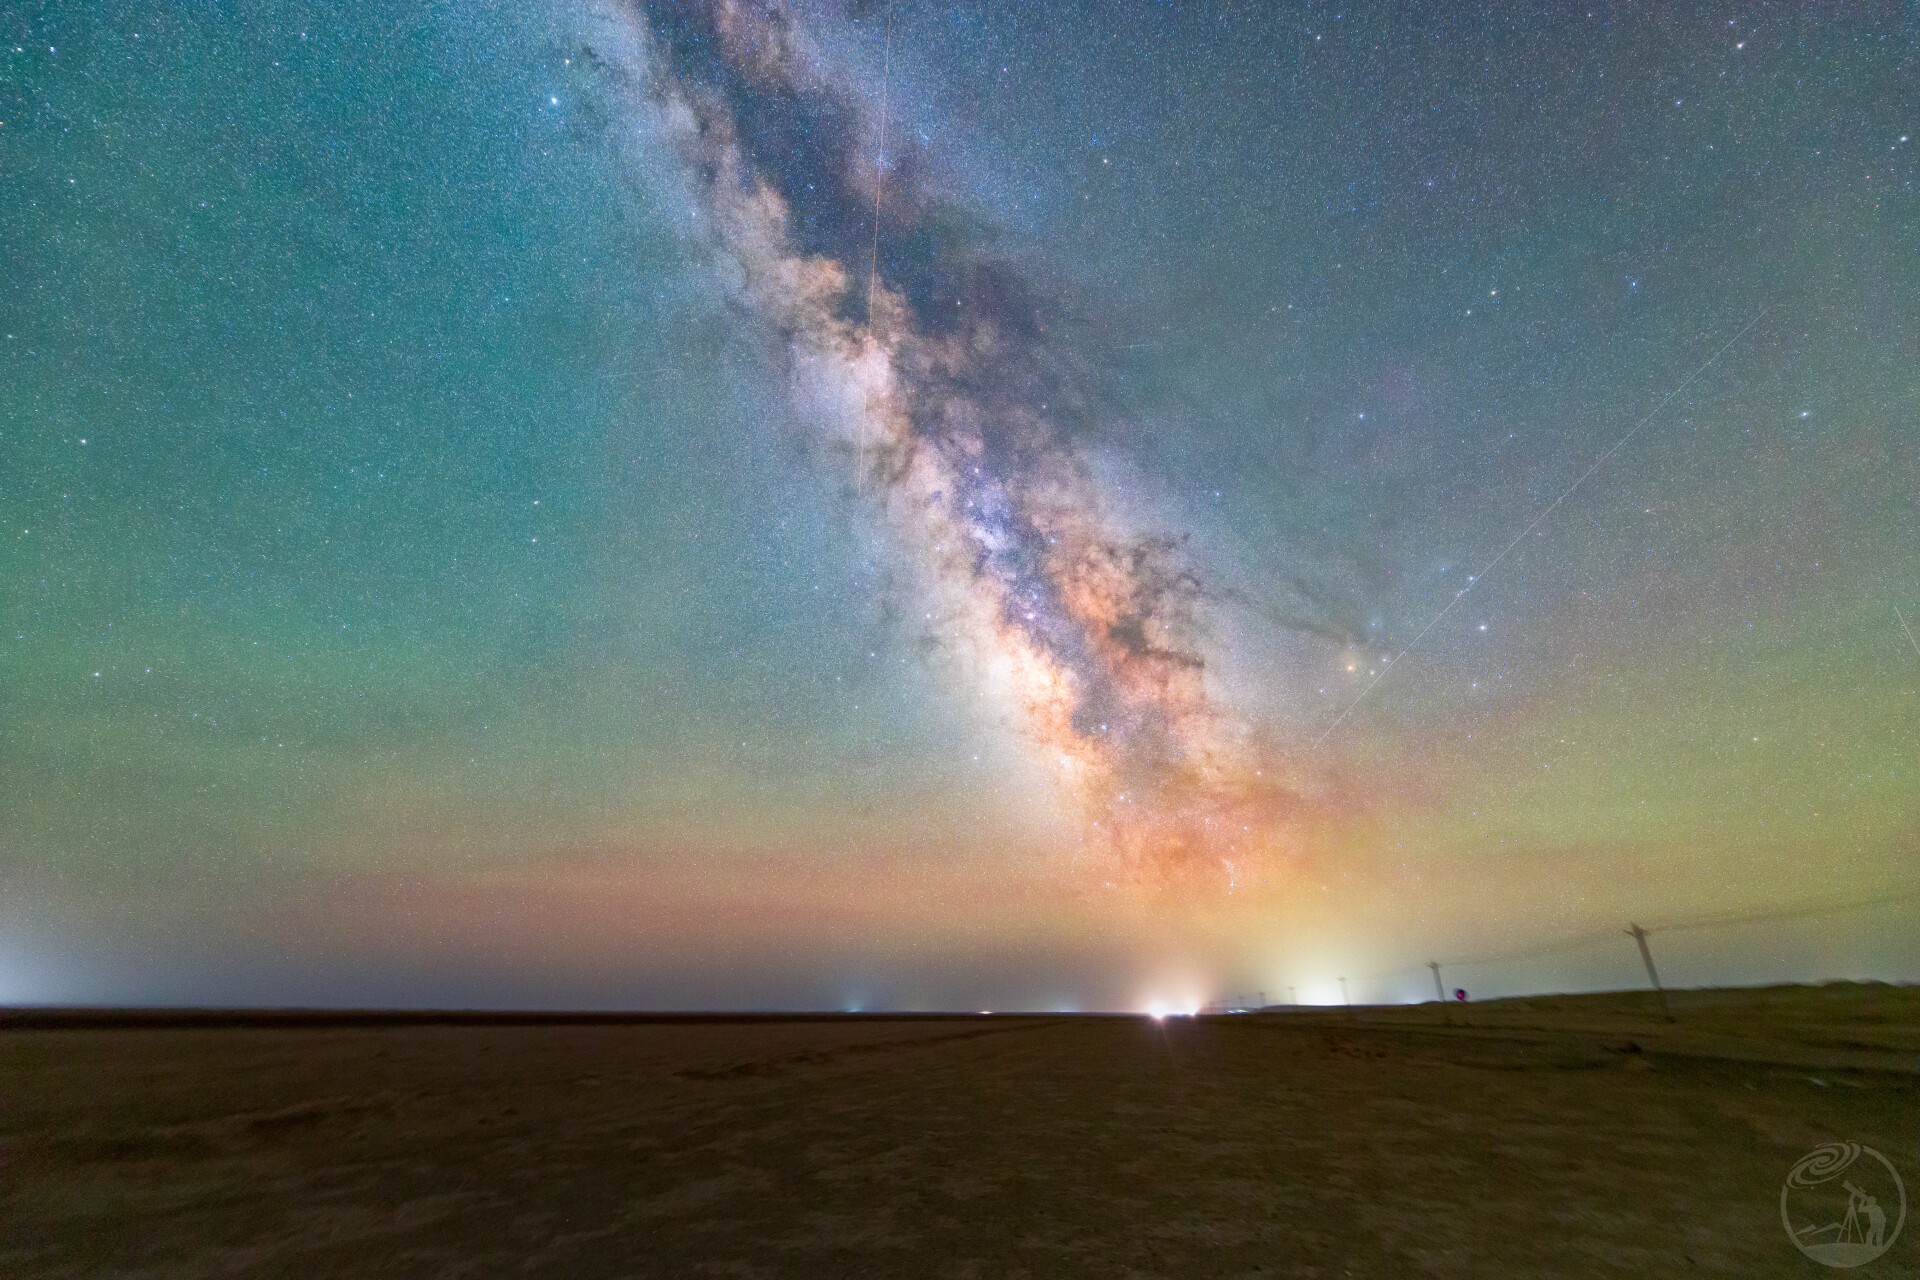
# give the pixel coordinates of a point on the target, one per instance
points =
(544, 504)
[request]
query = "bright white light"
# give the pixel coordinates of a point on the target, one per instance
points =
(1185, 1007)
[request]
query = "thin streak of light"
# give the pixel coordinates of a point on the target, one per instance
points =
(1481, 576)
(873, 266)
(1904, 627)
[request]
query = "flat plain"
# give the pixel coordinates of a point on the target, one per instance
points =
(1563, 1136)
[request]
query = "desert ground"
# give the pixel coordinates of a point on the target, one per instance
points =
(1567, 1136)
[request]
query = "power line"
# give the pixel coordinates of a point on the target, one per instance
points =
(1789, 913)
(1575, 943)
(1583, 941)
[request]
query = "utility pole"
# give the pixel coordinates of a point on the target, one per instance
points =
(1639, 935)
(1439, 992)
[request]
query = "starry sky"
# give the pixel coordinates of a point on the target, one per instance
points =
(747, 504)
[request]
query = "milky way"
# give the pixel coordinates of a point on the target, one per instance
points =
(931, 367)
(493, 516)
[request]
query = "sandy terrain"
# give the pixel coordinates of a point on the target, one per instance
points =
(1576, 1136)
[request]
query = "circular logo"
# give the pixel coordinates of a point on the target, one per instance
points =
(1843, 1204)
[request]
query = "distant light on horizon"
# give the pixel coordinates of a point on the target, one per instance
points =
(1160, 1009)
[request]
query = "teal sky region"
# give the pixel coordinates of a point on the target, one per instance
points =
(427, 581)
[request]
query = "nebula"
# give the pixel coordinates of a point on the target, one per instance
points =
(931, 367)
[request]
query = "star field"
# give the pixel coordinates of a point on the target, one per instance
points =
(448, 561)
